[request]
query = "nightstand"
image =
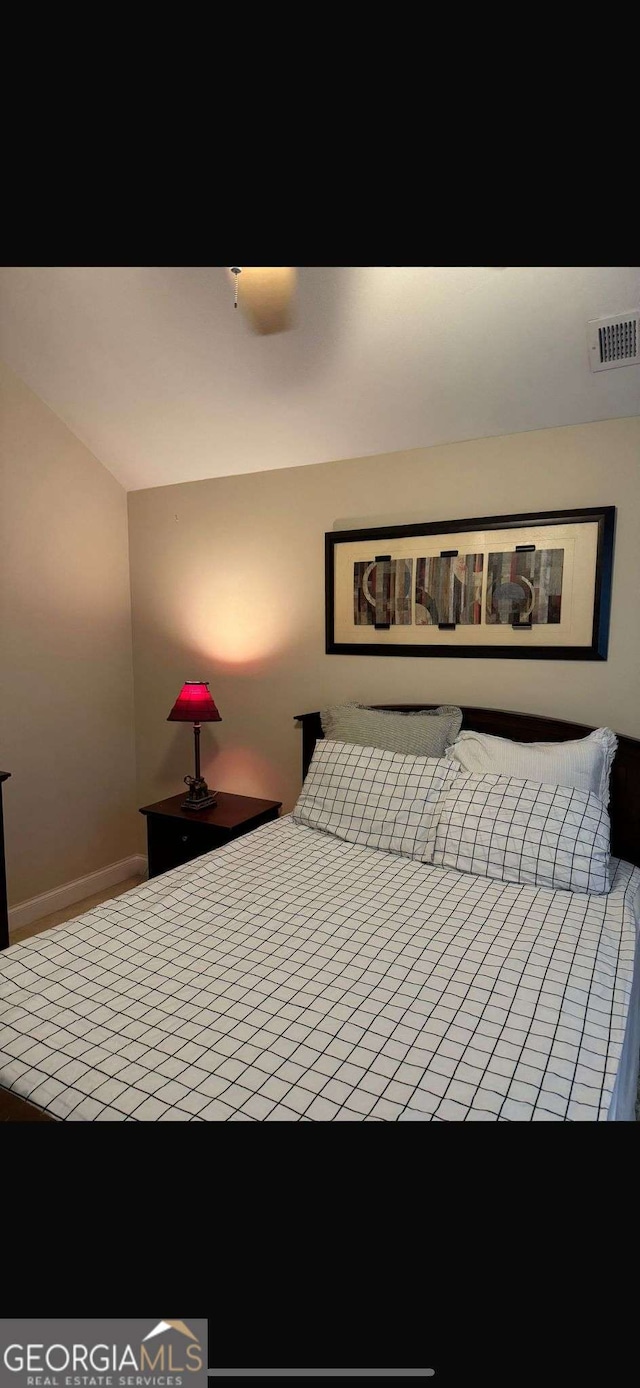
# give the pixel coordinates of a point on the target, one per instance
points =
(175, 836)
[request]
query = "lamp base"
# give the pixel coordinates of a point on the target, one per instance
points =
(199, 797)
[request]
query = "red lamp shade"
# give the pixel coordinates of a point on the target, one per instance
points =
(194, 704)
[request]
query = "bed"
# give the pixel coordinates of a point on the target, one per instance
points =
(291, 976)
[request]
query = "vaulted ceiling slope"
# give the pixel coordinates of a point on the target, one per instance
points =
(153, 369)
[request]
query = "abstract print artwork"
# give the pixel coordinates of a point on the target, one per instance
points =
(449, 589)
(534, 586)
(525, 586)
(382, 592)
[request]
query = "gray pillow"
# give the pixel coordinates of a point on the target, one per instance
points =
(423, 734)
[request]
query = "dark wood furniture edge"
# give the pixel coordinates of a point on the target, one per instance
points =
(208, 816)
(624, 808)
(12, 1108)
(16, 1110)
(4, 911)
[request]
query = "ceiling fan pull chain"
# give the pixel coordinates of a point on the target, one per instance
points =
(236, 270)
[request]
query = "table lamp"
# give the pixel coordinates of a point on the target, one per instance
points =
(195, 705)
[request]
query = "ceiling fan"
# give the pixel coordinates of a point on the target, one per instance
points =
(265, 294)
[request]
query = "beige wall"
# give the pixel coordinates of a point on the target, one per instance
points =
(66, 689)
(228, 585)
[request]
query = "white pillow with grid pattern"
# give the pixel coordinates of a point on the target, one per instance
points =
(583, 762)
(524, 831)
(375, 798)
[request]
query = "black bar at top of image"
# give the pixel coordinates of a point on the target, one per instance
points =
(321, 1373)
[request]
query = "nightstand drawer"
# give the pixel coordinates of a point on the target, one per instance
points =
(174, 842)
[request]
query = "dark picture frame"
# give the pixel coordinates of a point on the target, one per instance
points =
(603, 516)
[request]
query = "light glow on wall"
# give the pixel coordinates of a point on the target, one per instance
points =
(239, 623)
(244, 771)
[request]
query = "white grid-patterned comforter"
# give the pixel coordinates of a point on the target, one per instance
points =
(294, 976)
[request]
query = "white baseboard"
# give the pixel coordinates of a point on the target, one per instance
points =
(27, 911)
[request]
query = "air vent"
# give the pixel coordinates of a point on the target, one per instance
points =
(614, 341)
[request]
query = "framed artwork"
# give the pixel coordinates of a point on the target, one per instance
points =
(533, 586)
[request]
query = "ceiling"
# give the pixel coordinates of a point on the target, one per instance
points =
(153, 369)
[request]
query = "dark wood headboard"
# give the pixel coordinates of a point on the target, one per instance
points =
(624, 808)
